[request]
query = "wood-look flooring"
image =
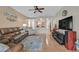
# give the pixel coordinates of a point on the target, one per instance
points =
(52, 46)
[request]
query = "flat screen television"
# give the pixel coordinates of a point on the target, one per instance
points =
(66, 23)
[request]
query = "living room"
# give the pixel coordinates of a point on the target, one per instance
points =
(39, 29)
(18, 31)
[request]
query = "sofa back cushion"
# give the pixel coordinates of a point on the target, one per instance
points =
(10, 29)
(4, 31)
(0, 34)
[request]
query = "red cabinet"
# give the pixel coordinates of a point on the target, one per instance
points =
(70, 40)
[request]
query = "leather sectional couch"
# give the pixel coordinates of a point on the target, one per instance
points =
(12, 37)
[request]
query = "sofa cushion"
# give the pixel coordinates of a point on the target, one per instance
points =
(4, 31)
(20, 37)
(5, 41)
(10, 29)
(0, 34)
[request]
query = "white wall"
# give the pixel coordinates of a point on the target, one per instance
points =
(4, 23)
(72, 11)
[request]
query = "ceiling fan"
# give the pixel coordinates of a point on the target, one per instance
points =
(37, 9)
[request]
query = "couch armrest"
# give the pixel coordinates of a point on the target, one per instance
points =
(5, 41)
(17, 48)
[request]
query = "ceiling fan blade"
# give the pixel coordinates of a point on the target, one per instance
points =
(41, 8)
(39, 11)
(35, 11)
(31, 9)
(35, 7)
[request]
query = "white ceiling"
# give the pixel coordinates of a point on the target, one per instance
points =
(47, 12)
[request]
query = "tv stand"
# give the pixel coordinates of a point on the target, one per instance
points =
(59, 37)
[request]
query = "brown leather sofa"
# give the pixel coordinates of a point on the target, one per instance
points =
(7, 34)
(12, 37)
